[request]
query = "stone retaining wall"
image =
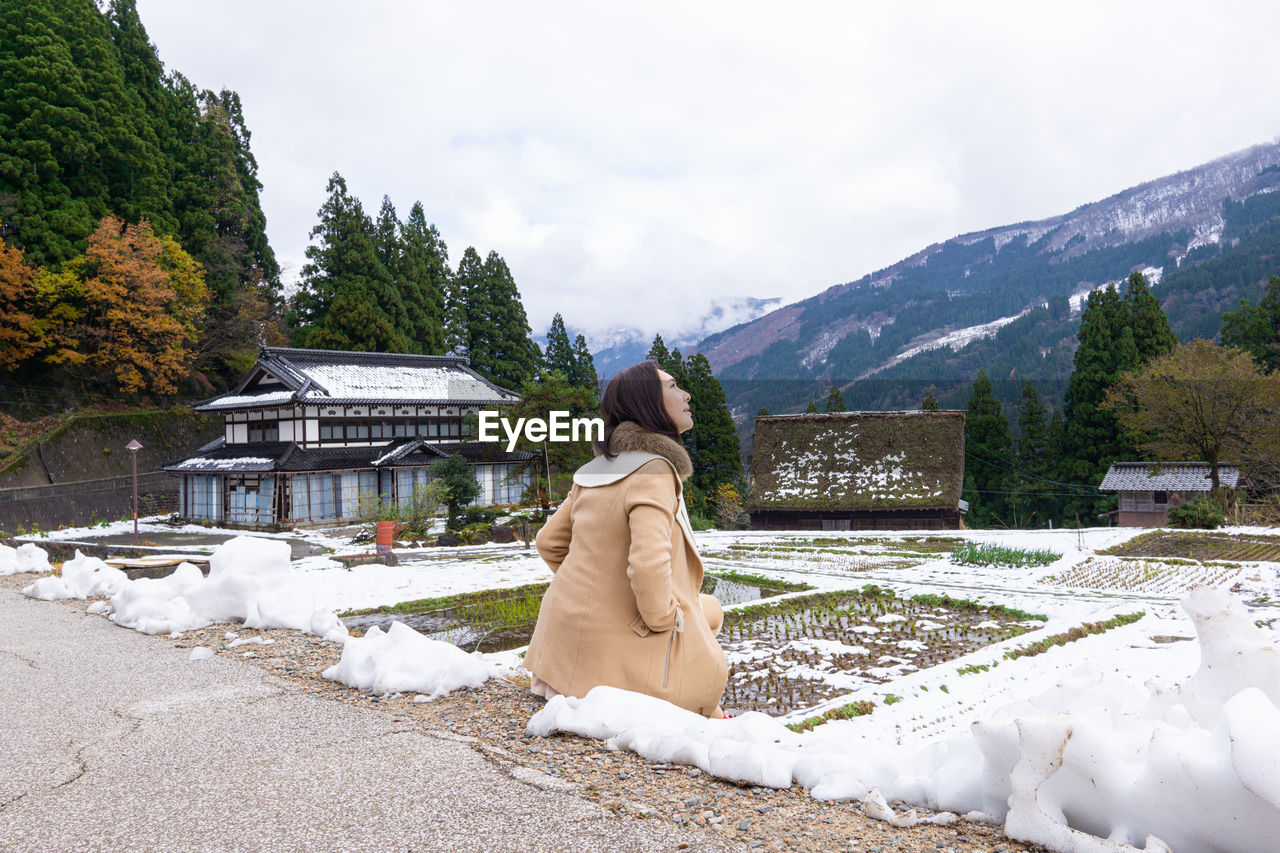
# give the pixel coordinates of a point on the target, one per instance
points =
(78, 504)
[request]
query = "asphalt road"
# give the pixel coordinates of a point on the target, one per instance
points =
(111, 740)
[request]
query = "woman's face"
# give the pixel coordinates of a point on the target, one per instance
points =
(676, 402)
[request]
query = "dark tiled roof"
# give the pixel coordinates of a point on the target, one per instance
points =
(290, 458)
(224, 458)
(486, 451)
(858, 461)
(1165, 477)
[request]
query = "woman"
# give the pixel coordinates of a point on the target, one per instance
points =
(624, 608)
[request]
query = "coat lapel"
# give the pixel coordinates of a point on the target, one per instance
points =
(604, 472)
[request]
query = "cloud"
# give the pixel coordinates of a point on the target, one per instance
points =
(635, 164)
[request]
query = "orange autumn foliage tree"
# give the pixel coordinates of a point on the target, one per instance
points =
(19, 339)
(143, 298)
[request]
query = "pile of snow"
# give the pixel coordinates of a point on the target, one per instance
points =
(250, 581)
(1095, 764)
(82, 577)
(27, 557)
(401, 660)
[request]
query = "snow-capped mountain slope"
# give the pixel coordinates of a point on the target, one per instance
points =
(975, 279)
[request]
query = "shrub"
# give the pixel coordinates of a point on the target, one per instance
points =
(480, 515)
(414, 518)
(728, 506)
(1200, 513)
(700, 522)
(694, 500)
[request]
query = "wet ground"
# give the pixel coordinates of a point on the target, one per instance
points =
(180, 542)
(504, 619)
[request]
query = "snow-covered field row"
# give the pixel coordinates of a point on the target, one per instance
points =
(1156, 727)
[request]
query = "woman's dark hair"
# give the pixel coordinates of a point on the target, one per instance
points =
(635, 394)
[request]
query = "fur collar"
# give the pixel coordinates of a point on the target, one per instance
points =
(631, 437)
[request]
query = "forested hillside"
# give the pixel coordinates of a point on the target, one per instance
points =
(135, 248)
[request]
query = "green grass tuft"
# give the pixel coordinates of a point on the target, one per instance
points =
(972, 554)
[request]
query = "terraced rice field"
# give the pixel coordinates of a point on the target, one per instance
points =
(1150, 576)
(1201, 546)
(802, 651)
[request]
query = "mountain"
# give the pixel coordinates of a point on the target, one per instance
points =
(621, 347)
(1008, 298)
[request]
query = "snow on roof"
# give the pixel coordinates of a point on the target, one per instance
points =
(235, 401)
(369, 382)
(242, 463)
(858, 461)
(1165, 477)
(320, 377)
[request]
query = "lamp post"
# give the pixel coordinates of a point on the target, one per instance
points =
(133, 447)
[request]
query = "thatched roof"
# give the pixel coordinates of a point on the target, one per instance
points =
(858, 461)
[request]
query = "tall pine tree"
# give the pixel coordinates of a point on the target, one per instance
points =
(421, 279)
(497, 338)
(1032, 503)
(558, 356)
(1116, 335)
(347, 300)
(1256, 328)
(713, 441)
(584, 367)
(988, 457)
(835, 402)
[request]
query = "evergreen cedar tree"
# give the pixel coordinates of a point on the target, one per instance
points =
(573, 361)
(495, 332)
(713, 441)
(1032, 502)
(929, 403)
(348, 300)
(1256, 328)
(1116, 335)
(1203, 402)
(99, 130)
(835, 402)
(988, 449)
(384, 286)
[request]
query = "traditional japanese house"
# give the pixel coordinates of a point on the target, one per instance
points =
(1148, 489)
(857, 471)
(310, 435)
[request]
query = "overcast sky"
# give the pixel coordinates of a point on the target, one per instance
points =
(635, 162)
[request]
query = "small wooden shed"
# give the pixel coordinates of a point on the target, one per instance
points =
(1148, 489)
(857, 471)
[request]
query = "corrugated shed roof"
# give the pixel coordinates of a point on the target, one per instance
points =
(1165, 477)
(858, 461)
(325, 377)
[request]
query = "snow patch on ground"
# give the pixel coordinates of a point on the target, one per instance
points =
(27, 557)
(401, 660)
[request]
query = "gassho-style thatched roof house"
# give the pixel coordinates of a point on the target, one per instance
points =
(857, 471)
(1148, 489)
(312, 435)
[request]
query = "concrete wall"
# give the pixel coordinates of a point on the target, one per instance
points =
(85, 502)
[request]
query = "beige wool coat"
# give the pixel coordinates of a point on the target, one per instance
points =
(625, 607)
